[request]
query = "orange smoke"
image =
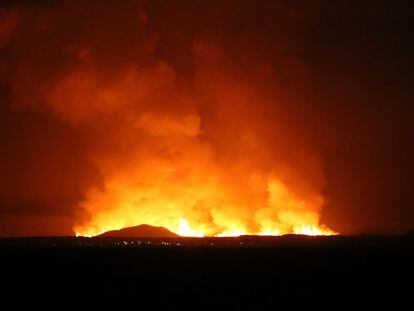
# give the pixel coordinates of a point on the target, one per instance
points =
(220, 149)
(211, 213)
(211, 159)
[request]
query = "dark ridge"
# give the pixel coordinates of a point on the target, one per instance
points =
(141, 231)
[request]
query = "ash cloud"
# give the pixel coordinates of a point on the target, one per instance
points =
(209, 131)
(118, 113)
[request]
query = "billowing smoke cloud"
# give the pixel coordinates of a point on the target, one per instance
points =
(202, 130)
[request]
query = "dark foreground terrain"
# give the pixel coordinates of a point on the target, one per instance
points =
(191, 273)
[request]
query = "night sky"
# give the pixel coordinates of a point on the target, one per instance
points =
(320, 93)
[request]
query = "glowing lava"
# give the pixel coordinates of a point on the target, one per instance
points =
(185, 230)
(284, 213)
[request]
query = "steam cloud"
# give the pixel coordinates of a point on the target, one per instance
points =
(202, 129)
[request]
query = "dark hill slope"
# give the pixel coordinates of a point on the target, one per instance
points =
(141, 231)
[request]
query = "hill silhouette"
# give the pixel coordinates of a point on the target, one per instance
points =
(141, 231)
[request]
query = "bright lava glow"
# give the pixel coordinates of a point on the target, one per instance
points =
(275, 210)
(312, 230)
(185, 230)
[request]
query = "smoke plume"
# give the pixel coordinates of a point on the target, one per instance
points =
(200, 126)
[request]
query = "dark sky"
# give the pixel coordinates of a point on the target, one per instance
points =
(342, 74)
(361, 59)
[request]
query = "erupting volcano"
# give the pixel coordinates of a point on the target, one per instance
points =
(217, 155)
(207, 136)
(222, 154)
